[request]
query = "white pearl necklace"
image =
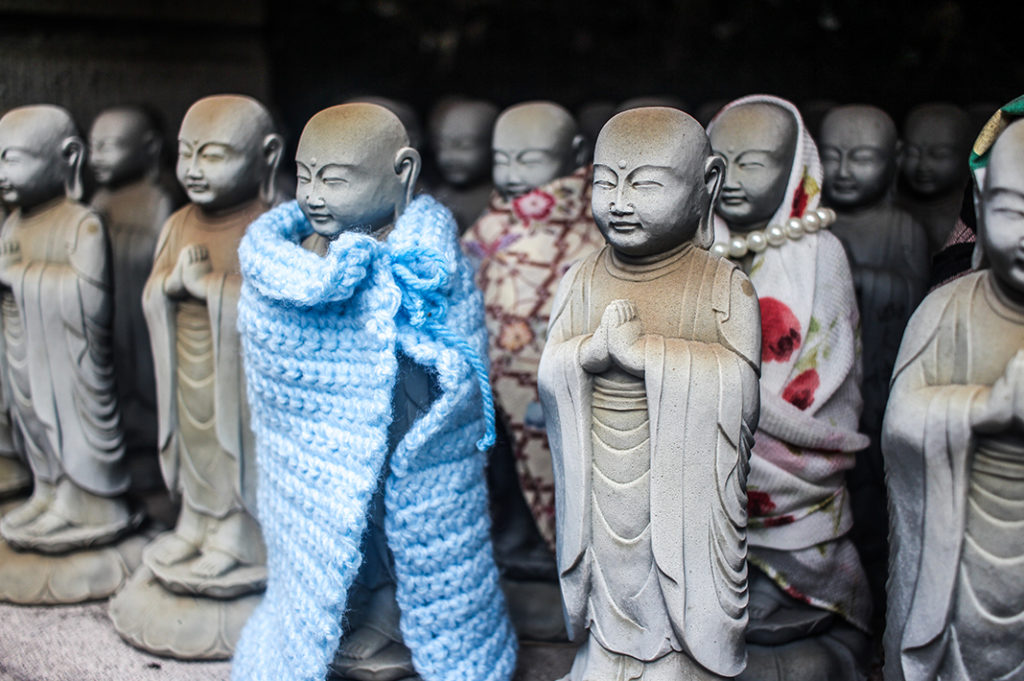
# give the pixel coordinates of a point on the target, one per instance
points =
(775, 235)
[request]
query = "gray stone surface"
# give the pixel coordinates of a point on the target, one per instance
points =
(78, 643)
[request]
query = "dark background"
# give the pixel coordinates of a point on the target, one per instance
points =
(302, 55)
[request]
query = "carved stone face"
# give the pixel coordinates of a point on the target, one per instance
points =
(649, 191)
(32, 169)
(1003, 210)
(121, 146)
(936, 146)
(461, 137)
(220, 151)
(758, 142)
(858, 155)
(354, 169)
(533, 144)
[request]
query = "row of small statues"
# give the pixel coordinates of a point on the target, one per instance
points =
(674, 340)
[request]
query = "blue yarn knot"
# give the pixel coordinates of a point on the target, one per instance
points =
(422, 275)
(423, 278)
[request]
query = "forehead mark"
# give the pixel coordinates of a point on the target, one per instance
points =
(622, 164)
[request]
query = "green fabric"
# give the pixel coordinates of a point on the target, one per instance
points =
(995, 126)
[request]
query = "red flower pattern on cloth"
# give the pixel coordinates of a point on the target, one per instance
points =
(801, 198)
(536, 205)
(759, 503)
(780, 331)
(800, 391)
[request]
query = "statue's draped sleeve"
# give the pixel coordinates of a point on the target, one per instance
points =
(926, 441)
(66, 305)
(703, 404)
(234, 434)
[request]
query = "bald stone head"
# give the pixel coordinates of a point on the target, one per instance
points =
(41, 156)
(228, 152)
(460, 131)
(534, 143)
(405, 112)
(1002, 212)
(758, 141)
(859, 153)
(937, 142)
(124, 145)
(655, 180)
(356, 170)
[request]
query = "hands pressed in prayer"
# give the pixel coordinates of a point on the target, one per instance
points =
(618, 339)
(193, 266)
(10, 254)
(1002, 408)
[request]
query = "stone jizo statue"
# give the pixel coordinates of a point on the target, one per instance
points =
(55, 272)
(954, 454)
(363, 338)
(460, 135)
(228, 151)
(888, 252)
(124, 156)
(649, 381)
(933, 170)
(56, 306)
(809, 600)
(537, 225)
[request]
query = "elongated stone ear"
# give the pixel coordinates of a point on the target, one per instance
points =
(73, 151)
(579, 151)
(273, 146)
(978, 259)
(153, 145)
(407, 165)
(714, 173)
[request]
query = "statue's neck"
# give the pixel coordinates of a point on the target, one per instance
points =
(229, 212)
(319, 244)
(1009, 297)
(749, 227)
(647, 262)
(42, 206)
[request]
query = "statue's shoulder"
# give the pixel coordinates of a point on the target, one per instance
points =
(180, 216)
(960, 288)
(74, 213)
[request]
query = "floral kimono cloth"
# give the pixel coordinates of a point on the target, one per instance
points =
(523, 247)
(799, 510)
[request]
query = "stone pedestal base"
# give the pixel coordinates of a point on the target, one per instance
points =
(185, 627)
(29, 578)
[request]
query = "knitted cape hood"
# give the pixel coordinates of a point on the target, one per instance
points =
(320, 337)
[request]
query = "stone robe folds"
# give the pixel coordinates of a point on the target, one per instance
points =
(191, 464)
(700, 385)
(57, 317)
(958, 342)
(134, 215)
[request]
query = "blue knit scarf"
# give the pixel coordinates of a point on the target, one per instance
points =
(320, 337)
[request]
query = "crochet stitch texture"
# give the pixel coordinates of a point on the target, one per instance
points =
(320, 336)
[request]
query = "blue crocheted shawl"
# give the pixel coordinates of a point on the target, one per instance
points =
(320, 337)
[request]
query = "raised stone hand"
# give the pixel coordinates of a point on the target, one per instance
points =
(1003, 408)
(195, 264)
(594, 355)
(625, 331)
(10, 254)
